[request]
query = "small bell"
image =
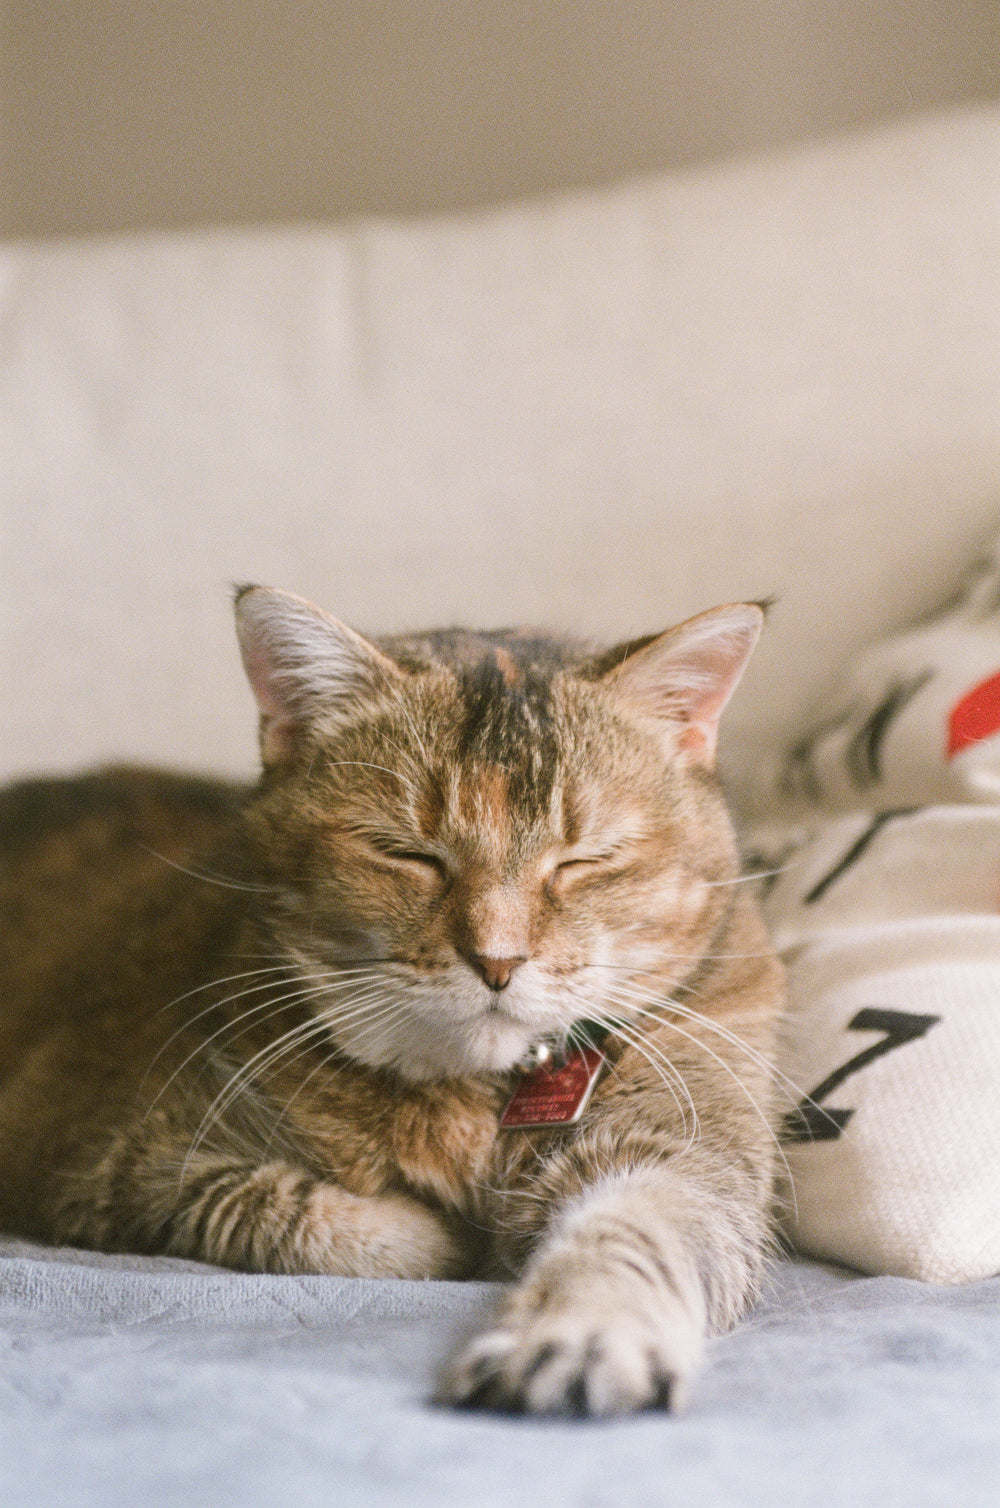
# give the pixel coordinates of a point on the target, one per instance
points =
(538, 1056)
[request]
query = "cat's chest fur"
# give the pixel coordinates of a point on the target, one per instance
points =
(374, 1134)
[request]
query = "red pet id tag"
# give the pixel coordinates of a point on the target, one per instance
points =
(554, 1096)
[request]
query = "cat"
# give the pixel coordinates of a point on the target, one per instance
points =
(277, 1028)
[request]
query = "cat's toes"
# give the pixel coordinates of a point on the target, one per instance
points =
(476, 1378)
(570, 1370)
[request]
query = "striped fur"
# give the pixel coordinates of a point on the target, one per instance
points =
(275, 1029)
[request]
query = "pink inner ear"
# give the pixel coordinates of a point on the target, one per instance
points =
(259, 673)
(277, 719)
(701, 733)
(302, 664)
(277, 634)
(689, 673)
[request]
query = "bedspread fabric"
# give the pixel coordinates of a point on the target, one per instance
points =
(159, 1382)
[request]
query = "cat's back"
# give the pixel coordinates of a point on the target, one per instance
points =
(80, 858)
(107, 821)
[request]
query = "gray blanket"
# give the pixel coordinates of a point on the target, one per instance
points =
(136, 1382)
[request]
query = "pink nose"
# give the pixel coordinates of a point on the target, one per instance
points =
(495, 971)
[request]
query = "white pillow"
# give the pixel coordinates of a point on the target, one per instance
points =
(914, 718)
(889, 927)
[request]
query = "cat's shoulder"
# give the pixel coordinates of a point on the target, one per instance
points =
(154, 804)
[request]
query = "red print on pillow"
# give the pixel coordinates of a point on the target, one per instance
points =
(975, 717)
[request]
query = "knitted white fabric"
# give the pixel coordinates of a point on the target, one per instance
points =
(889, 924)
(915, 717)
(890, 928)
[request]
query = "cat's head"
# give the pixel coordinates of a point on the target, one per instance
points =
(477, 840)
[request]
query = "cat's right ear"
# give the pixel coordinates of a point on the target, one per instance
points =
(682, 680)
(308, 671)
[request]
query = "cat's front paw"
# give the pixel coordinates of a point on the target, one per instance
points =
(571, 1363)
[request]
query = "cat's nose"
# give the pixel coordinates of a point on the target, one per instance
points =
(495, 972)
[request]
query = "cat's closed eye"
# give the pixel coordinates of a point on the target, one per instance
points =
(580, 867)
(418, 859)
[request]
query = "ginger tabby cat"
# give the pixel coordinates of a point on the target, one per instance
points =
(276, 1029)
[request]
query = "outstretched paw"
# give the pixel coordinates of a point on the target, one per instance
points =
(560, 1364)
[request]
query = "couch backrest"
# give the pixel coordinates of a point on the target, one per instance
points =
(602, 411)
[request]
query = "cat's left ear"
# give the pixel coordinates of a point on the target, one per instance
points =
(308, 671)
(684, 678)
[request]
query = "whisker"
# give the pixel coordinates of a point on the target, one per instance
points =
(748, 879)
(363, 1010)
(324, 1062)
(225, 881)
(226, 1026)
(273, 1052)
(667, 1071)
(268, 1009)
(669, 1074)
(214, 983)
(697, 1042)
(302, 1037)
(241, 1079)
(793, 1092)
(227, 1000)
(385, 1011)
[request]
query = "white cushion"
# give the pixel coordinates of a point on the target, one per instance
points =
(890, 929)
(889, 923)
(915, 717)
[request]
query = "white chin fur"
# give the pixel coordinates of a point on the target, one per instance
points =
(454, 1027)
(491, 1044)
